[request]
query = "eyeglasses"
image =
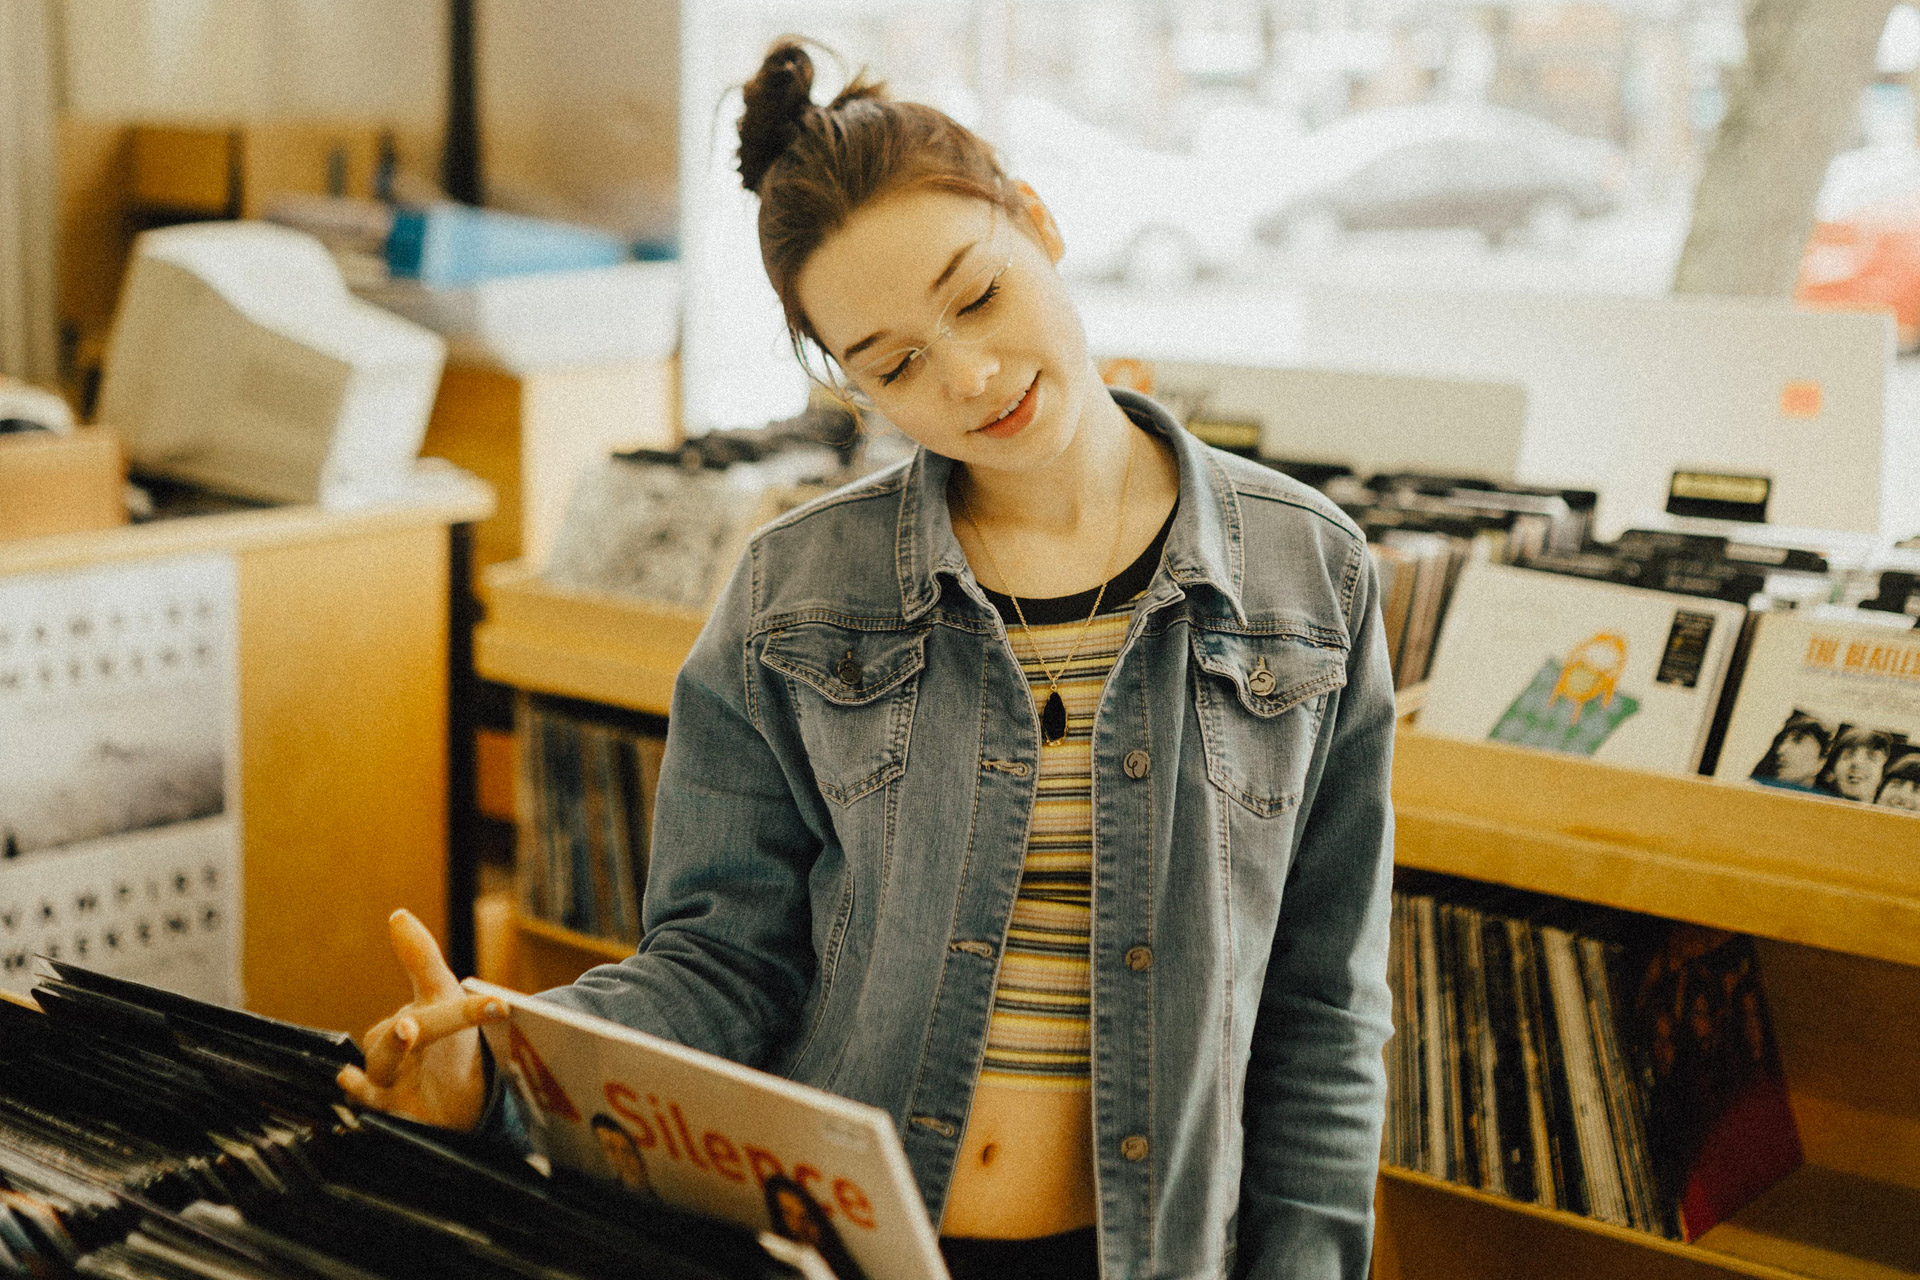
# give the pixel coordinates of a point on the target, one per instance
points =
(972, 314)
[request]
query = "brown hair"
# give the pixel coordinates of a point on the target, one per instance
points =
(813, 166)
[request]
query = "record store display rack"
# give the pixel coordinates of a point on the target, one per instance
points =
(145, 1136)
(1817, 904)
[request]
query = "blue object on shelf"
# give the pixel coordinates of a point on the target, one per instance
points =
(448, 245)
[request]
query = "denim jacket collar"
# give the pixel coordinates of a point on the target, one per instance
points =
(1203, 547)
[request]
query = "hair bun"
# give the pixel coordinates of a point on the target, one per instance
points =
(777, 99)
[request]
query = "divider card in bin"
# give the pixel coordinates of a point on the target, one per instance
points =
(703, 1133)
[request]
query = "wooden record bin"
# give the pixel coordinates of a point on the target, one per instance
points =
(1831, 891)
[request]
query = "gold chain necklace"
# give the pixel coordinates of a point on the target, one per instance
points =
(1053, 718)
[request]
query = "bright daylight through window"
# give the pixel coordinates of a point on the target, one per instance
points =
(1265, 146)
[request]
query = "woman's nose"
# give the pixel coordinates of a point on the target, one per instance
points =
(965, 369)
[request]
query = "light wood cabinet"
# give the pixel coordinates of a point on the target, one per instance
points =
(343, 636)
(1830, 889)
(576, 644)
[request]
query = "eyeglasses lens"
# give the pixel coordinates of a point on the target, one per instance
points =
(973, 311)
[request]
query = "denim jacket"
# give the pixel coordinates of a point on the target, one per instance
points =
(843, 813)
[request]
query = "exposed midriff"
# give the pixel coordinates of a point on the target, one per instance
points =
(1025, 1166)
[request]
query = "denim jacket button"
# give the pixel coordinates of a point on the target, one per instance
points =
(1261, 682)
(1134, 1147)
(849, 671)
(1139, 959)
(1136, 764)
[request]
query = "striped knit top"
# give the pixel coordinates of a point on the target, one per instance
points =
(1039, 1035)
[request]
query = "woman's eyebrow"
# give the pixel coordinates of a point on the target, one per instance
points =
(953, 264)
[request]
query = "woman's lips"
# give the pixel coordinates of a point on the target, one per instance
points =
(1014, 422)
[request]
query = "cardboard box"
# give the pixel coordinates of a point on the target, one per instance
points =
(219, 171)
(61, 483)
(186, 170)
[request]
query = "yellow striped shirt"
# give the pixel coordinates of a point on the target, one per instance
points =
(1039, 1035)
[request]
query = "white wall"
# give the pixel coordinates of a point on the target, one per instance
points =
(580, 102)
(382, 60)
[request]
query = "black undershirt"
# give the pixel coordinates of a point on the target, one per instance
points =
(1122, 587)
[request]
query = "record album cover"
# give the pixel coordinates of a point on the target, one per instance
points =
(1831, 708)
(1624, 675)
(700, 1132)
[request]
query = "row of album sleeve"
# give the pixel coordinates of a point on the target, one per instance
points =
(1795, 649)
(585, 789)
(1581, 1059)
(1817, 697)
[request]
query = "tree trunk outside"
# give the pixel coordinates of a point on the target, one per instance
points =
(1790, 110)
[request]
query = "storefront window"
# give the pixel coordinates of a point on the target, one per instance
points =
(1210, 158)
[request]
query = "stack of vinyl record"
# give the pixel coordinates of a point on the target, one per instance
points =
(1424, 529)
(586, 779)
(143, 1134)
(1581, 1059)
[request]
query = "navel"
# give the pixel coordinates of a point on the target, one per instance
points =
(987, 1153)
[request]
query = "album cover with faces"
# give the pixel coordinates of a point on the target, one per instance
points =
(1829, 707)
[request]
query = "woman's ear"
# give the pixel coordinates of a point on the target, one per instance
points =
(1043, 223)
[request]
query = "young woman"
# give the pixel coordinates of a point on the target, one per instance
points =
(1034, 791)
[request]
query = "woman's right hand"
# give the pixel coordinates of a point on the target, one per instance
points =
(424, 1062)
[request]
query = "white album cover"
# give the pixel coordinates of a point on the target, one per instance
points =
(119, 774)
(1624, 675)
(1829, 707)
(703, 1133)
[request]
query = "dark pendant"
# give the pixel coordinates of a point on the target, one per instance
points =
(1053, 720)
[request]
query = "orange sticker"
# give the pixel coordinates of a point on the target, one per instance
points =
(1800, 400)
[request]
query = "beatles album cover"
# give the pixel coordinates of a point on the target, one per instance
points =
(1829, 707)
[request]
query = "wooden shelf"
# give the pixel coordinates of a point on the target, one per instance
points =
(1815, 1224)
(1831, 888)
(1825, 1223)
(551, 955)
(604, 950)
(1825, 873)
(604, 648)
(239, 532)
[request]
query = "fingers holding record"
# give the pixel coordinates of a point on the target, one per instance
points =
(417, 1026)
(444, 1017)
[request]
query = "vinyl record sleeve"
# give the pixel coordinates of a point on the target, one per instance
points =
(704, 1133)
(1624, 675)
(1829, 707)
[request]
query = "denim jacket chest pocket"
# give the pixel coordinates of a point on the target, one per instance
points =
(1260, 699)
(853, 697)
